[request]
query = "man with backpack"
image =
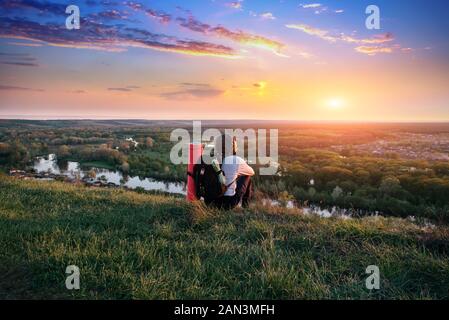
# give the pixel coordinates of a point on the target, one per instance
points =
(235, 188)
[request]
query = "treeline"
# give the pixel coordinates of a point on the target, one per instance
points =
(89, 153)
(137, 151)
(147, 166)
(396, 187)
(15, 154)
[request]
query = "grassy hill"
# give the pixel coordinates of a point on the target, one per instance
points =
(140, 246)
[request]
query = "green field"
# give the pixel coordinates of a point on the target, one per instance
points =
(138, 246)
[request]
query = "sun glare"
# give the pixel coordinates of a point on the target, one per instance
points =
(262, 85)
(335, 103)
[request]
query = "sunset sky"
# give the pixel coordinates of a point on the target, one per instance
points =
(206, 59)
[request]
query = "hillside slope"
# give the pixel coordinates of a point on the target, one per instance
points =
(131, 245)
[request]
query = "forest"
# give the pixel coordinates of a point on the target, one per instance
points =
(323, 164)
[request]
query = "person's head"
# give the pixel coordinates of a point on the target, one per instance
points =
(225, 145)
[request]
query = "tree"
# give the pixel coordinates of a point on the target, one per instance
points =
(390, 185)
(125, 167)
(4, 149)
(149, 142)
(312, 191)
(337, 193)
(63, 152)
(300, 194)
(329, 173)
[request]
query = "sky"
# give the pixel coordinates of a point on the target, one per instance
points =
(212, 59)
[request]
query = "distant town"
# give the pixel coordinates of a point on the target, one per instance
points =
(433, 147)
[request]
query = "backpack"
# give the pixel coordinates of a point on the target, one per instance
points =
(207, 184)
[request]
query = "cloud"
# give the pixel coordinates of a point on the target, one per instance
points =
(311, 5)
(99, 32)
(105, 3)
(109, 3)
(77, 91)
(379, 44)
(17, 55)
(120, 89)
(323, 34)
(193, 24)
(109, 15)
(193, 93)
(43, 7)
(25, 44)
(317, 7)
(160, 16)
(260, 85)
(235, 4)
(96, 34)
(370, 46)
(191, 84)
(20, 64)
(18, 59)
(124, 89)
(15, 88)
(377, 39)
(373, 50)
(267, 16)
(107, 37)
(238, 36)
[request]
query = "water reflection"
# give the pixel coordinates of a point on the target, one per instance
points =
(73, 170)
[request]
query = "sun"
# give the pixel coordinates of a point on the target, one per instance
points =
(261, 85)
(335, 103)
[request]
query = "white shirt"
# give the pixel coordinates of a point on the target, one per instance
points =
(233, 167)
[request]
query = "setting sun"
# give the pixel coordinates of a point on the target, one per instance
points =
(335, 103)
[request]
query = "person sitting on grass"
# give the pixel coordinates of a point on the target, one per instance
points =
(237, 173)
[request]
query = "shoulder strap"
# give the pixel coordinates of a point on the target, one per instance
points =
(226, 187)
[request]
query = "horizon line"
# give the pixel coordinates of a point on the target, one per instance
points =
(227, 120)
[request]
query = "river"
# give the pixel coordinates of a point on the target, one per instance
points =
(72, 169)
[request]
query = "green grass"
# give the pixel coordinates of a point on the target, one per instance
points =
(139, 246)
